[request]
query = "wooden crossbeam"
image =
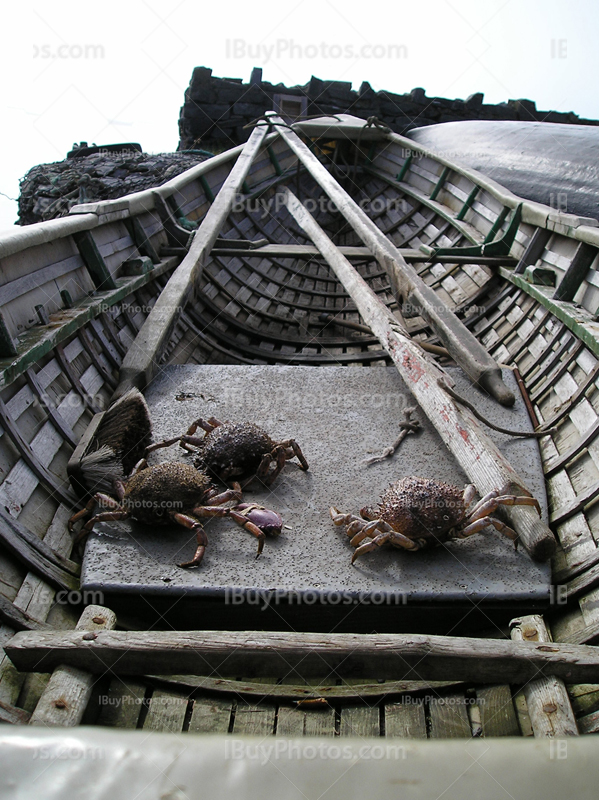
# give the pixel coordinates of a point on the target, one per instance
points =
(267, 654)
(308, 252)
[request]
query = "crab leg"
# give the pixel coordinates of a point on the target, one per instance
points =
(339, 518)
(163, 443)
(295, 448)
(481, 523)
(388, 536)
(230, 494)
(104, 516)
(188, 438)
(492, 501)
(277, 454)
(98, 498)
(201, 538)
(242, 520)
(81, 514)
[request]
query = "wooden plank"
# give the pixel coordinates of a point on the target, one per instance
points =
(12, 715)
(40, 340)
(522, 714)
(581, 322)
(253, 720)
(35, 598)
(67, 694)
(17, 619)
(210, 715)
(480, 458)
(547, 699)
(270, 654)
(361, 722)
(576, 272)
(121, 706)
(166, 712)
(584, 698)
(466, 350)
(32, 461)
(449, 718)
(589, 723)
(35, 554)
(300, 722)
(497, 713)
(406, 720)
(294, 691)
(141, 361)
(57, 419)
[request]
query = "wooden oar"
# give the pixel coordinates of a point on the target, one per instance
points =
(479, 457)
(141, 361)
(463, 346)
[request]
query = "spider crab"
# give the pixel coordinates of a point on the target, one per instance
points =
(417, 513)
(238, 451)
(175, 492)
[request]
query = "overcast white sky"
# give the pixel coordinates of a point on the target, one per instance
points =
(116, 71)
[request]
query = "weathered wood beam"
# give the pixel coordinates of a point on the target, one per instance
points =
(353, 693)
(141, 361)
(480, 458)
(307, 252)
(549, 707)
(18, 619)
(267, 654)
(65, 698)
(465, 349)
(12, 715)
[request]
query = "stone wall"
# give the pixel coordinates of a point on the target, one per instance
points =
(49, 191)
(217, 109)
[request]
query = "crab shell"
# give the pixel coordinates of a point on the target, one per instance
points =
(270, 522)
(421, 509)
(233, 449)
(153, 492)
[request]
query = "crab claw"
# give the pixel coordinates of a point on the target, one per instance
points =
(267, 520)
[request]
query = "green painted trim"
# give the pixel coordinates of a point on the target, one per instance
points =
(274, 160)
(442, 211)
(497, 224)
(405, 167)
(468, 202)
(96, 266)
(500, 247)
(206, 187)
(578, 320)
(37, 342)
(440, 183)
(7, 343)
(67, 300)
(257, 189)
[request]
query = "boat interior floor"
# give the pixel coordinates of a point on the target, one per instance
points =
(304, 579)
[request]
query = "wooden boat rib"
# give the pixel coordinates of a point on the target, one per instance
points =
(75, 293)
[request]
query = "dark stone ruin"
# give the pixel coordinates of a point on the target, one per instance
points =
(51, 190)
(214, 116)
(217, 109)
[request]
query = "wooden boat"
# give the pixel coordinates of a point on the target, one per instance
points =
(118, 290)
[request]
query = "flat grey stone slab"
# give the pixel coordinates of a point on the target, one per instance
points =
(339, 416)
